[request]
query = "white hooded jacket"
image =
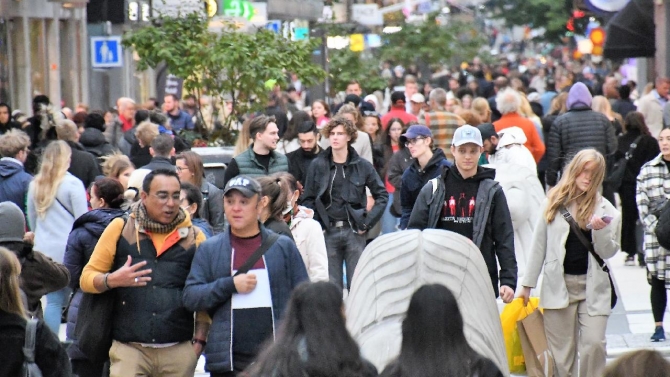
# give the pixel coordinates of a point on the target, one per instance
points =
(511, 149)
(309, 239)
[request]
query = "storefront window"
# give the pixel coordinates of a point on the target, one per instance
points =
(38, 57)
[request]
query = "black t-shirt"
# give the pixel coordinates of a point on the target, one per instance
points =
(252, 326)
(576, 260)
(458, 209)
(667, 163)
(335, 206)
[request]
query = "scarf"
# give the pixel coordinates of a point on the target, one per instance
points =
(139, 211)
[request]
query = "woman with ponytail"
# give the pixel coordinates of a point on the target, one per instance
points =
(274, 205)
(56, 199)
(106, 200)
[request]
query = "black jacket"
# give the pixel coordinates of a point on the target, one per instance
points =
(158, 162)
(50, 355)
(579, 128)
(647, 148)
(623, 106)
(298, 163)
(139, 156)
(493, 232)
(360, 174)
(413, 179)
(93, 140)
(8, 126)
(83, 165)
(398, 163)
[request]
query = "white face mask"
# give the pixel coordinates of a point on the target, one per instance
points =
(289, 205)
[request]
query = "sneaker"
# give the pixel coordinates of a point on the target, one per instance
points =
(630, 261)
(659, 334)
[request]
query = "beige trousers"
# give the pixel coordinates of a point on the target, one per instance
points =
(572, 332)
(133, 360)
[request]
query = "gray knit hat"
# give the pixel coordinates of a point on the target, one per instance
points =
(13, 223)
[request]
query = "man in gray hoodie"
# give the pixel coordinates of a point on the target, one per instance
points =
(579, 128)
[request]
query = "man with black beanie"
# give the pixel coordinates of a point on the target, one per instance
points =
(94, 140)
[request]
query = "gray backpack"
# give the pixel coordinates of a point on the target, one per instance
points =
(30, 368)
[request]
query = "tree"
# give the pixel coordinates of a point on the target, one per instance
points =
(231, 62)
(432, 43)
(347, 65)
(552, 15)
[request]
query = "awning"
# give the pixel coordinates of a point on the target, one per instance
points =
(631, 33)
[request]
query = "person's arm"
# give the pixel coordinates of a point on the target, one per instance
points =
(30, 207)
(52, 275)
(102, 259)
(419, 215)
(553, 154)
(232, 171)
(612, 141)
(606, 240)
(395, 170)
(77, 198)
(215, 204)
(538, 250)
(537, 145)
(406, 202)
(647, 216)
(311, 188)
(202, 290)
(318, 255)
(503, 239)
(74, 259)
(380, 195)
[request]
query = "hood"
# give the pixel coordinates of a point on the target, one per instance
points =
(511, 135)
(579, 96)
(96, 221)
(304, 213)
(92, 137)
(9, 168)
(438, 156)
(76, 146)
(482, 173)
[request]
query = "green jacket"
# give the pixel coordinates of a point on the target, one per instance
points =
(249, 165)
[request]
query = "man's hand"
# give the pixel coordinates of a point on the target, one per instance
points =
(29, 237)
(525, 295)
(245, 283)
(129, 275)
(506, 294)
(197, 348)
(370, 204)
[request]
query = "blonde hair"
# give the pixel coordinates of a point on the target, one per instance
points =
(243, 139)
(13, 142)
(114, 164)
(67, 130)
(10, 291)
(481, 107)
(54, 165)
(559, 103)
(566, 190)
(525, 109)
(348, 108)
(602, 105)
(146, 132)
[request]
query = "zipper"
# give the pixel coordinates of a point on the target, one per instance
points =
(330, 190)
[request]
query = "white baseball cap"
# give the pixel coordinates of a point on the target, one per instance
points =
(467, 134)
(417, 98)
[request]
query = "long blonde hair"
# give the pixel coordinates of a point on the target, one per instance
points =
(10, 292)
(54, 165)
(243, 139)
(602, 105)
(566, 191)
(481, 107)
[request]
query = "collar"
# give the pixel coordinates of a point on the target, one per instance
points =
(658, 160)
(11, 159)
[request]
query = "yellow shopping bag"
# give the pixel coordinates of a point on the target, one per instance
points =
(514, 312)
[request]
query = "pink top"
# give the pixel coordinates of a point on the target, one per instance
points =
(321, 122)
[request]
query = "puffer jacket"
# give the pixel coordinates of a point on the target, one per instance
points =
(579, 128)
(95, 143)
(80, 244)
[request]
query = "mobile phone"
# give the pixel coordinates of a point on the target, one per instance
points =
(607, 219)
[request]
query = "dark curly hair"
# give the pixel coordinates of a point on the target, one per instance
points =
(348, 126)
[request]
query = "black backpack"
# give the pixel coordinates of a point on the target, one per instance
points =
(662, 230)
(30, 368)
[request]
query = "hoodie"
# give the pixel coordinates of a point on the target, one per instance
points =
(14, 182)
(579, 96)
(460, 196)
(309, 239)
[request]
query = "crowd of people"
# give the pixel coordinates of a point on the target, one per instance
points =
(114, 207)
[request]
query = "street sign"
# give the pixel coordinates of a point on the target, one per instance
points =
(357, 42)
(274, 26)
(300, 33)
(106, 52)
(238, 8)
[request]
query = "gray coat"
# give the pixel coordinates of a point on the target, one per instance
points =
(212, 206)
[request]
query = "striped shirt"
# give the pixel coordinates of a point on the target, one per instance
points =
(443, 124)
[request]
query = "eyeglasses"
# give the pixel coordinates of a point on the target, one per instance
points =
(164, 197)
(413, 141)
(180, 169)
(369, 113)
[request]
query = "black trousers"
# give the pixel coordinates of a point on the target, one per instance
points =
(629, 217)
(659, 299)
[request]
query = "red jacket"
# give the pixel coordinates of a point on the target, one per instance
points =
(398, 112)
(534, 142)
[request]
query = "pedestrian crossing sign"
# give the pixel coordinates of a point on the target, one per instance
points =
(106, 52)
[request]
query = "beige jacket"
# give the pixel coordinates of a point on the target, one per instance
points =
(652, 110)
(548, 251)
(311, 243)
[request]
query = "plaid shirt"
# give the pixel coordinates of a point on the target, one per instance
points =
(443, 124)
(653, 190)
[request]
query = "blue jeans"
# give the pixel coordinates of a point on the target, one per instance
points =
(56, 301)
(389, 222)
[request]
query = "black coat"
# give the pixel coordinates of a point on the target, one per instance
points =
(50, 355)
(398, 163)
(360, 174)
(83, 165)
(647, 148)
(298, 163)
(93, 140)
(159, 162)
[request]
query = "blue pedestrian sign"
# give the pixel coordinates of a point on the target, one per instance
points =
(274, 26)
(106, 52)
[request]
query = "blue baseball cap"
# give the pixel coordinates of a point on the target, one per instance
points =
(415, 131)
(467, 134)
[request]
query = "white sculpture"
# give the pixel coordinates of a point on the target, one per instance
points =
(395, 265)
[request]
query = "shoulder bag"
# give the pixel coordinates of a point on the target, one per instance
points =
(615, 177)
(575, 228)
(30, 368)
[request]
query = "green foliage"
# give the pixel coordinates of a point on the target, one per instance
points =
(230, 63)
(347, 65)
(433, 43)
(552, 15)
